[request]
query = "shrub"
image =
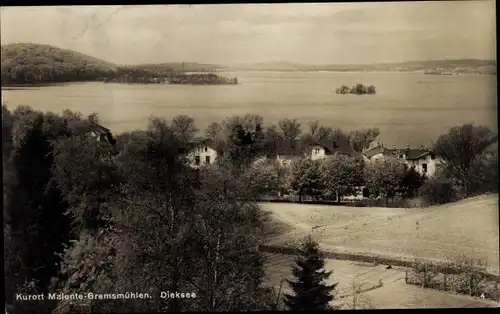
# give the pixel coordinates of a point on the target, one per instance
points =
(438, 191)
(471, 278)
(424, 273)
(415, 202)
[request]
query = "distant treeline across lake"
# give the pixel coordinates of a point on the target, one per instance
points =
(408, 108)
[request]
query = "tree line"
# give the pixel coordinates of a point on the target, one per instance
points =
(467, 165)
(338, 176)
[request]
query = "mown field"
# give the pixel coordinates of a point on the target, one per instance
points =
(436, 233)
(380, 288)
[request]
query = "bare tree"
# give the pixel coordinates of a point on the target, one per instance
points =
(213, 131)
(184, 127)
(425, 272)
(93, 118)
(290, 128)
(252, 121)
(248, 122)
(361, 139)
(339, 136)
(272, 132)
(323, 133)
(461, 147)
(313, 126)
(357, 298)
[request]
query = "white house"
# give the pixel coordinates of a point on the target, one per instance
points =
(288, 150)
(422, 159)
(201, 153)
(324, 148)
(317, 152)
(375, 153)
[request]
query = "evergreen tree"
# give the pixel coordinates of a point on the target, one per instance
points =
(310, 292)
(35, 212)
(240, 147)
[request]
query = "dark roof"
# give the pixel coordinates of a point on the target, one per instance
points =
(287, 147)
(377, 150)
(333, 147)
(413, 154)
(99, 129)
(196, 142)
(410, 153)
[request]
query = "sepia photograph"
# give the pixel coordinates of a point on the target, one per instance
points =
(250, 157)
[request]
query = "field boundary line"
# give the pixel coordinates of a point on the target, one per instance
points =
(368, 258)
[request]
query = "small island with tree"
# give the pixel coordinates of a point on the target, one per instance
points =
(358, 89)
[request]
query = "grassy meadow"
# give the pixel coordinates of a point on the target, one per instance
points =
(437, 233)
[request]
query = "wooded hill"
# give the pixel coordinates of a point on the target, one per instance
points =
(29, 63)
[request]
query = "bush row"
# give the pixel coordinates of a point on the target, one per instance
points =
(466, 278)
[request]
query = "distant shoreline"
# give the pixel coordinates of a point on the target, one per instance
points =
(357, 71)
(50, 84)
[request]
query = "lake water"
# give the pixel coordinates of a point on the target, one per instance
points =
(409, 108)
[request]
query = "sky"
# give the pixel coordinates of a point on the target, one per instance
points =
(228, 34)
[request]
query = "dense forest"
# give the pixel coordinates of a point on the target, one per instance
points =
(28, 63)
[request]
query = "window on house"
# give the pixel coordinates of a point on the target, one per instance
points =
(206, 149)
(424, 168)
(433, 156)
(207, 159)
(197, 160)
(316, 151)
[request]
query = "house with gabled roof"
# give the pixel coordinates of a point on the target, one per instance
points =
(201, 152)
(422, 159)
(100, 133)
(323, 148)
(288, 150)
